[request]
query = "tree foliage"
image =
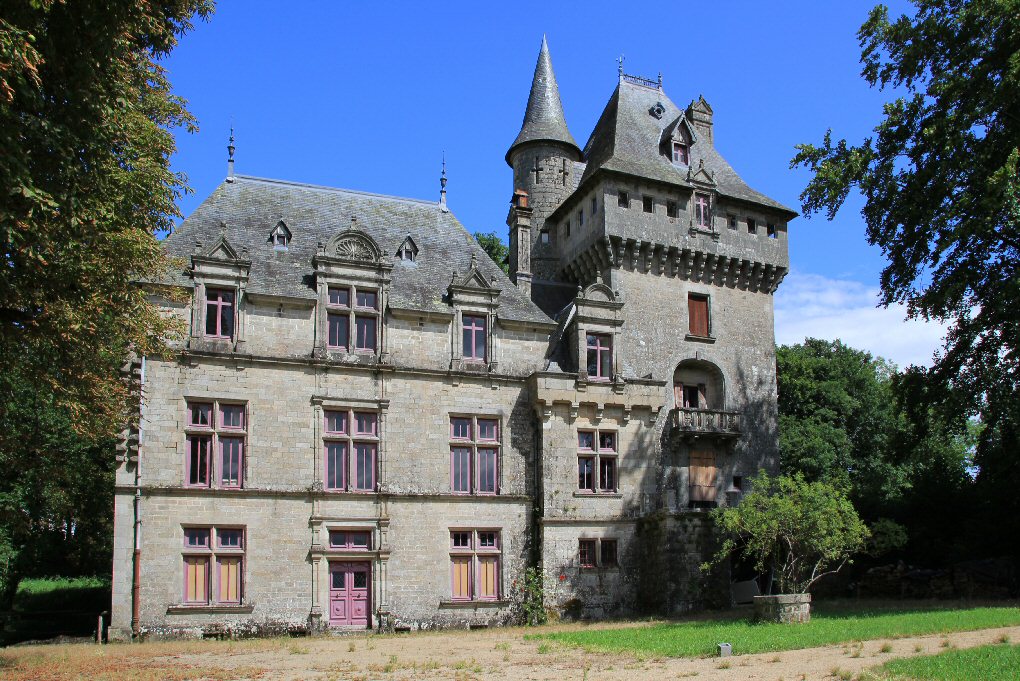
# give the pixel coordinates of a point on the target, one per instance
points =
(941, 187)
(85, 113)
(495, 248)
(85, 144)
(800, 530)
(838, 421)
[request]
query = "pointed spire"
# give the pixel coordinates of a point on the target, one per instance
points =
(543, 119)
(230, 156)
(442, 186)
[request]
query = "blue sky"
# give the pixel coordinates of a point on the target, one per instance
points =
(369, 95)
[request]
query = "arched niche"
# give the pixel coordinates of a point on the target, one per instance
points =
(699, 384)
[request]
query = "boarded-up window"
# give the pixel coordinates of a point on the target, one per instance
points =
(703, 475)
(461, 566)
(230, 580)
(488, 577)
(196, 579)
(697, 310)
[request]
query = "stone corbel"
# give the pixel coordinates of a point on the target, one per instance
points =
(599, 413)
(574, 406)
(626, 414)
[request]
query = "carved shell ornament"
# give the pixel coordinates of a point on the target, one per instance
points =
(353, 248)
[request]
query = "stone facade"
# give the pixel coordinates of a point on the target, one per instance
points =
(369, 425)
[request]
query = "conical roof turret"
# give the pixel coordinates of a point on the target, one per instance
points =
(544, 120)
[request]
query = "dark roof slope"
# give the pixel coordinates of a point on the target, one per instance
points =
(246, 210)
(626, 139)
(544, 119)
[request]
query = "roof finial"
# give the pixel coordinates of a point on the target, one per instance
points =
(230, 155)
(619, 61)
(660, 80)
(442, 186)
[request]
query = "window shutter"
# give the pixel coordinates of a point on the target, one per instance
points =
(462, 577)
(487, 577)
(703, 473)
(697, 308)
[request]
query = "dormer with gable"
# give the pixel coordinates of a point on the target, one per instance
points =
(220, 276)
(474, 300)
(352, 288)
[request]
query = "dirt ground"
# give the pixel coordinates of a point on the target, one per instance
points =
(463, 656)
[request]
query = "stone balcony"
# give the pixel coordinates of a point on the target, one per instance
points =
(696, 423)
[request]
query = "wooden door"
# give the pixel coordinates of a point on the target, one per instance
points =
(703, 476)
(349, 593)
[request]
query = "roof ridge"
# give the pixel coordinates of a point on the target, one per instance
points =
(322, 187)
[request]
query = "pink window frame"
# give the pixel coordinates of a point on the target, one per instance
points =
(475, 444)
(473, 324)
(216, 431)
(344, 319)
(348, 545)
(210, 440)
(590, 544)
(599, 348)
(358, 347)
(374, 448)
(473, 553)
(240, 578)
(207, 558)
(222, 441)
(597, 454)
(351, 437)
(219, 304)
(681, 153)
(344, 454)
(703, 210)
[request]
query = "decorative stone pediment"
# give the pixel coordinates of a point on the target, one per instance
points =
(222, 250)
(354, 244)
(473, 287)
(701, 175)
(599, 302)
(599, 292)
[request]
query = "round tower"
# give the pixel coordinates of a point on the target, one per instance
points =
(543, 157)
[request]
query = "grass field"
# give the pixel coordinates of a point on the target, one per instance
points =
(831, 625)
(987, 663)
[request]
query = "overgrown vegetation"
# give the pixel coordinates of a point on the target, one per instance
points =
(828, 625)
(495, 248)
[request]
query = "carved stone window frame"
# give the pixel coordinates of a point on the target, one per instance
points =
(351, 260)
(219, 267)
(473, 295)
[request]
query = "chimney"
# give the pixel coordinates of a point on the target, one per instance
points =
(699, 113)
(519, 221)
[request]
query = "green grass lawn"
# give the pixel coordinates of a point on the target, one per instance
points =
(987, 663)
(56, 606)
(827, 626)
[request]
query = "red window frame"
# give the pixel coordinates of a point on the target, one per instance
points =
(216, 439)
(475, 337)
(474, 455)
(599, 356)
(220, 308)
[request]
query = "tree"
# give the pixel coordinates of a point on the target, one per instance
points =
(496, 249)
(800, 530)
(838, 421)
(941, 189)
(85, 113)
(85, 118)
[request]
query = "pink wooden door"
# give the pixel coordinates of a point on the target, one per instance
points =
(349, 584)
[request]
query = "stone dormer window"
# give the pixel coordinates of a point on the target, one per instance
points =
(352, 277)
(594, 330)
(218, 308)
(475, 300)
(280, 237)
(408, 251)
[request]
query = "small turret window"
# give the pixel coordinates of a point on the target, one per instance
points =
(408, 250)
(280, 236)
(680, 153)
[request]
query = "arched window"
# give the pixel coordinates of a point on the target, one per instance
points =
(698, 384)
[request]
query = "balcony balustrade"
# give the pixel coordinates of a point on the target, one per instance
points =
(705, 422)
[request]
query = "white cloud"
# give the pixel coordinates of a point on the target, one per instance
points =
(810, 305)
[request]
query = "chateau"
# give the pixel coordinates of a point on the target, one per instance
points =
(369, 425)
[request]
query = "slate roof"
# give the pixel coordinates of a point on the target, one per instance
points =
(626, 139)
(247, 210)
(544, 119)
